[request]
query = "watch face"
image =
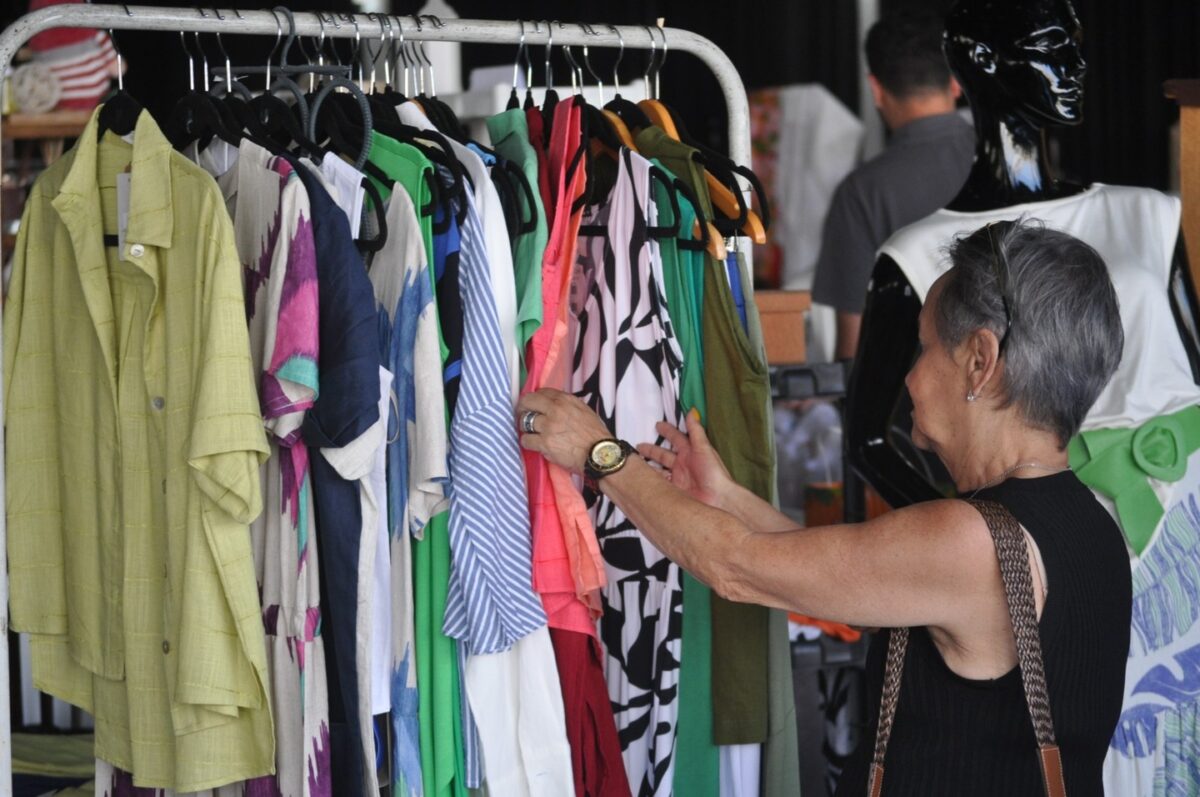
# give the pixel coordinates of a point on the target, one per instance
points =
(606, 454)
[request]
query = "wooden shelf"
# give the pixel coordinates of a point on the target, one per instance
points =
(1187, 94)
(56, 124)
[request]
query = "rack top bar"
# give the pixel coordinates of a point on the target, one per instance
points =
(118, 17)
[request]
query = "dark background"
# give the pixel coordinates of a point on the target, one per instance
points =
(1131, 48)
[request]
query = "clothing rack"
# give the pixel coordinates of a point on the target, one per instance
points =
(468, 31)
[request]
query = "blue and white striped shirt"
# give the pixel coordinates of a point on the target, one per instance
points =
(491, 602)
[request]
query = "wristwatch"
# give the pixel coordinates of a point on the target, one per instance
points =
(605, 458)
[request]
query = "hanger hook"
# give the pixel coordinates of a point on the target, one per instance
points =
(417, 56)
(437, 23)
(321, 40)
(120, 59)
(587, 61)
(537, 28)
(663, 60)
(650, 63)
(275, 48)
(356, 55)
(620, 55)
(520, 49)
(402, 53)
(224, 55)
(576, 72)
(333, 52)
(202, 51)
(191, 61)
(424, 55)
(383, 33)
(549, 52)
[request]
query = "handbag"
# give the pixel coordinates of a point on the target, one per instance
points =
(1018, 592)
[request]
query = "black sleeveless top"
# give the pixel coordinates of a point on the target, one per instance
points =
(955, 736)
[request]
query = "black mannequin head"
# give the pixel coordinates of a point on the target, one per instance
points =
(1019, 58)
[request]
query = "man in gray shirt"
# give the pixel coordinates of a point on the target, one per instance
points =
(926, 162)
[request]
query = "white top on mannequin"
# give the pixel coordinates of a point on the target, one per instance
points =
(1134, 230)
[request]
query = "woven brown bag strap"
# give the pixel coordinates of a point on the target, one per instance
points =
(1013, 554)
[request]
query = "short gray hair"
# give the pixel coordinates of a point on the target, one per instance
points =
(1065, 338)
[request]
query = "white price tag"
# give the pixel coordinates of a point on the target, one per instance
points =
(122, 211)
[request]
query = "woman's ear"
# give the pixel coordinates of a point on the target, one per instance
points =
(981, 356)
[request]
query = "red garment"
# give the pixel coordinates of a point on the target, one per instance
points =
(568, 570)
(591, 729)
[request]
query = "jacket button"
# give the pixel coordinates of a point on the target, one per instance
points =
(166, 647)
(136, 250)
(158, 402)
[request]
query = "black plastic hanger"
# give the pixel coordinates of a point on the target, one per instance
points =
(121, 111)
(198, 116)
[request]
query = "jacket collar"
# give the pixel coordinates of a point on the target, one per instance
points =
(151, 219)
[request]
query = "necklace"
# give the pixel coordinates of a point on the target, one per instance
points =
(1015, 468)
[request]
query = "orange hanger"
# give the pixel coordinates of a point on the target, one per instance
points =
(716, 244)
(723, 199)
(660, 116)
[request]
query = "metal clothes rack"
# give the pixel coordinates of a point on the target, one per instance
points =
(471, 31)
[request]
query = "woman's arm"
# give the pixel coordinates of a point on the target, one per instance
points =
(929, 564)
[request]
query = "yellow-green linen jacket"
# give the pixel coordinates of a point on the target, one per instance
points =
(134, 439)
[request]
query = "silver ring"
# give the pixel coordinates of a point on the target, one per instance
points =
(527, 421)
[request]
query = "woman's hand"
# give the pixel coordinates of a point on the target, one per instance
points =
(692, 464)
(564, 428)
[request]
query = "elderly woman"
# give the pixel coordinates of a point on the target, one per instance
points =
(1017, 340)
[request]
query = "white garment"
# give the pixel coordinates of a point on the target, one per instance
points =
(403, 288)
(381, 606)
(1134, 230)
(495, 238)
(626, 366)
(741, 766)
(398, 267)
(314, 169)
(819, 144)
(516, 699)
(349, 194)
(355, 461)
(216, 159)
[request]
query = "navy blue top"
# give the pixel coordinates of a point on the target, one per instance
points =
(347, 406)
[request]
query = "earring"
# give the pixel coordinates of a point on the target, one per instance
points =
(971, 396)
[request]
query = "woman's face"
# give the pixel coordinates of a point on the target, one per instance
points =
(936, 383)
